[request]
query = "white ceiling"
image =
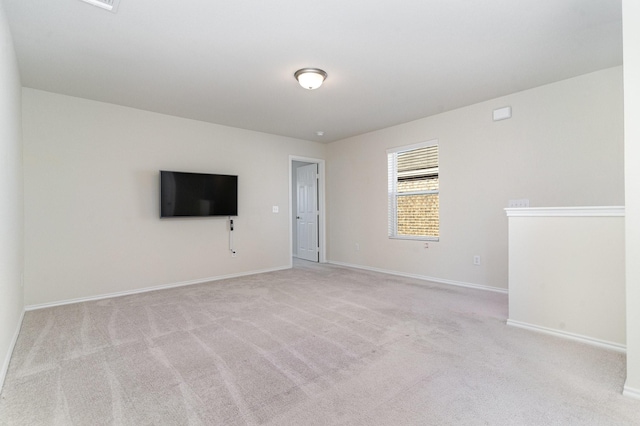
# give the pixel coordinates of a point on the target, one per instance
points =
(232, 62)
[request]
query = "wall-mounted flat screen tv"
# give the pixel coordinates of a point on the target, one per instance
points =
(185, 194)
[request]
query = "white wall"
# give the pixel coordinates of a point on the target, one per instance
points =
(92, 222)
(562, 147)
(631, 43)
(11, 197)
(566, 273)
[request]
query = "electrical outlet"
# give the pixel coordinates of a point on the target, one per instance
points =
(476, 260)
(357, 246)
(520, 203)
(275, 209)
(233, 253)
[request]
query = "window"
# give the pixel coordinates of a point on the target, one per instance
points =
(414, 192)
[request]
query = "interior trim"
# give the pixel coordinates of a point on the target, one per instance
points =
(424, 278)
(570, 336)
(592, 211)
(147, 289)
(631, 392)
(7, 358)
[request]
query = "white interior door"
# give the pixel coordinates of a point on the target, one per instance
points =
(307, 212)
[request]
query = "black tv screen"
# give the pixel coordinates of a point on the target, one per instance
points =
(197, 194)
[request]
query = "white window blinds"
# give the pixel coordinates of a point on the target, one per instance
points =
(414, 190)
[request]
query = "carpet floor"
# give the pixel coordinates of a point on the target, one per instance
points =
(314, 345)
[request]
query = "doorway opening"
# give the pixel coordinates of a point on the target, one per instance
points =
(307, 209)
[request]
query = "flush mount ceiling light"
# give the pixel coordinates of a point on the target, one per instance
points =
(310, 78)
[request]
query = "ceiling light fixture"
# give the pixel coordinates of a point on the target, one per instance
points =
(310, 78)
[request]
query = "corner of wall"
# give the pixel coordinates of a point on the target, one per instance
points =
(11, 198)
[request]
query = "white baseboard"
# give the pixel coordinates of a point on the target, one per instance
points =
(7, 357)
(631, 392)
(423, 277)
(571, 336)
(153, 288)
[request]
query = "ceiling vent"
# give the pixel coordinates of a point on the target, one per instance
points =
(110, 5)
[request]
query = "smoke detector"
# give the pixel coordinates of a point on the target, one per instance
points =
(110, 5)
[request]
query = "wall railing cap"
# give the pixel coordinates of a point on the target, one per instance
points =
(587, 211)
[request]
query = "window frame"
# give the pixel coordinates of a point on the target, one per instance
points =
(392, 191)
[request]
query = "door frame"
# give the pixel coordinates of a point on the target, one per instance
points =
(322, 240)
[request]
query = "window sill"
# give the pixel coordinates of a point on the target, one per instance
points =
(415, 238)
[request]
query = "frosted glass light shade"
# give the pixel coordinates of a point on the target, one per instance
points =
(310, 78)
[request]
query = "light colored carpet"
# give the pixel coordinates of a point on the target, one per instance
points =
(316, 345)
